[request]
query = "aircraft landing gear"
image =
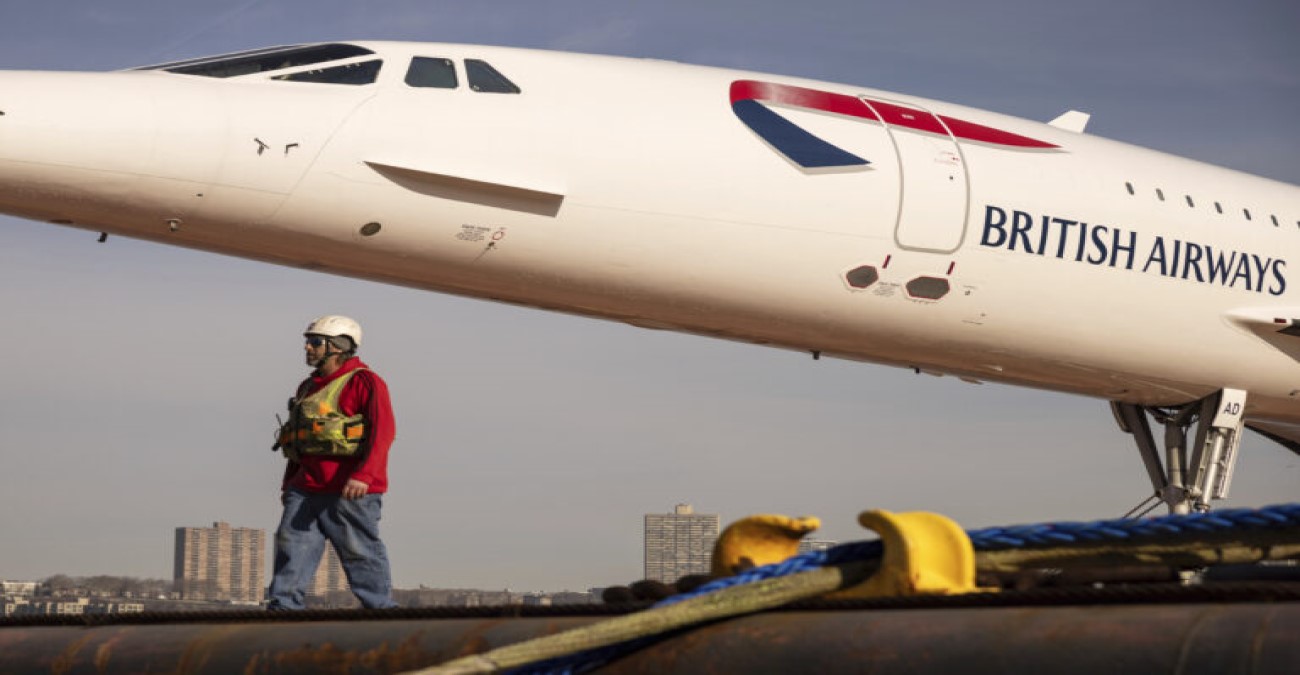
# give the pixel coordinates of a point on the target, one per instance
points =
(1180, 484)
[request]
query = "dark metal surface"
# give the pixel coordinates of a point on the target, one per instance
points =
(1209, 629)
(1211, 639)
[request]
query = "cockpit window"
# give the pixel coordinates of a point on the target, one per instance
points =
(262, 60)
(433, 73)
(485, 78)
(351, 73)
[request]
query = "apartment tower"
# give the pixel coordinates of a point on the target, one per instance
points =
(220, 563)
(329, 576)
(679, 543)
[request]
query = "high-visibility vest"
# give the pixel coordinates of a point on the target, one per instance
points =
(316, 427)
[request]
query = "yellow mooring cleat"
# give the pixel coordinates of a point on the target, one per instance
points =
(924, 553)
(760, 540)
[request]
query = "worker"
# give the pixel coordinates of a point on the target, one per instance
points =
(336, 440)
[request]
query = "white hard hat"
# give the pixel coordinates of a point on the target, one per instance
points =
(336, 326)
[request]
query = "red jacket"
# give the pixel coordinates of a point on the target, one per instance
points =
(366, 394)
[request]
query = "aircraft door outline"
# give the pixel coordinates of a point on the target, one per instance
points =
(934, 186)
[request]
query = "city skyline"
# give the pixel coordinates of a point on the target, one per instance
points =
(61, 595)
(217, 563)
(529, 443)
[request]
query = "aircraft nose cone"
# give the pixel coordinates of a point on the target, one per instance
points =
(4, 122)
(120, 151)
(72, 145)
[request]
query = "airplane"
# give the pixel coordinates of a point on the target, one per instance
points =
(834, 219)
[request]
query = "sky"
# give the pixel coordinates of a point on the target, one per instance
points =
(141, 382)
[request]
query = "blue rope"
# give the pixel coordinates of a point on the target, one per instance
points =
(1056, 534)
(1029, 536)
(988, 539)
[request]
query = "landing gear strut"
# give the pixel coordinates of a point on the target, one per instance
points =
(1180, 484)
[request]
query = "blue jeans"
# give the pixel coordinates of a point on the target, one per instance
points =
(351, 525)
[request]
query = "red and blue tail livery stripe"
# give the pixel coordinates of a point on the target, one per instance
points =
(809, 151)
(790, 139)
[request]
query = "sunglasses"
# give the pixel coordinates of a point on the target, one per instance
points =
(315, 340)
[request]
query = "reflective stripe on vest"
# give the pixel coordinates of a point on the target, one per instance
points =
(316, 427)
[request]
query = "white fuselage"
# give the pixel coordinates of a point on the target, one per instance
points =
(632, 190)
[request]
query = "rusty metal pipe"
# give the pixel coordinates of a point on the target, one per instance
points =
(1169, 638)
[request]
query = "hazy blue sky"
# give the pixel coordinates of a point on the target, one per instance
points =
(141, 382)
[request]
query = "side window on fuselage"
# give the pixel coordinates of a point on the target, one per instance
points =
(351, 73)
(484, 78)
(432, 73)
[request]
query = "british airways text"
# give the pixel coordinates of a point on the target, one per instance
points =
(1115, 247)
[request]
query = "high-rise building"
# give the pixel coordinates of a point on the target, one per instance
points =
(679, 543)
(329, 574)
(220, 563)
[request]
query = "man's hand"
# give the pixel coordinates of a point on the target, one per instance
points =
(355, 489)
